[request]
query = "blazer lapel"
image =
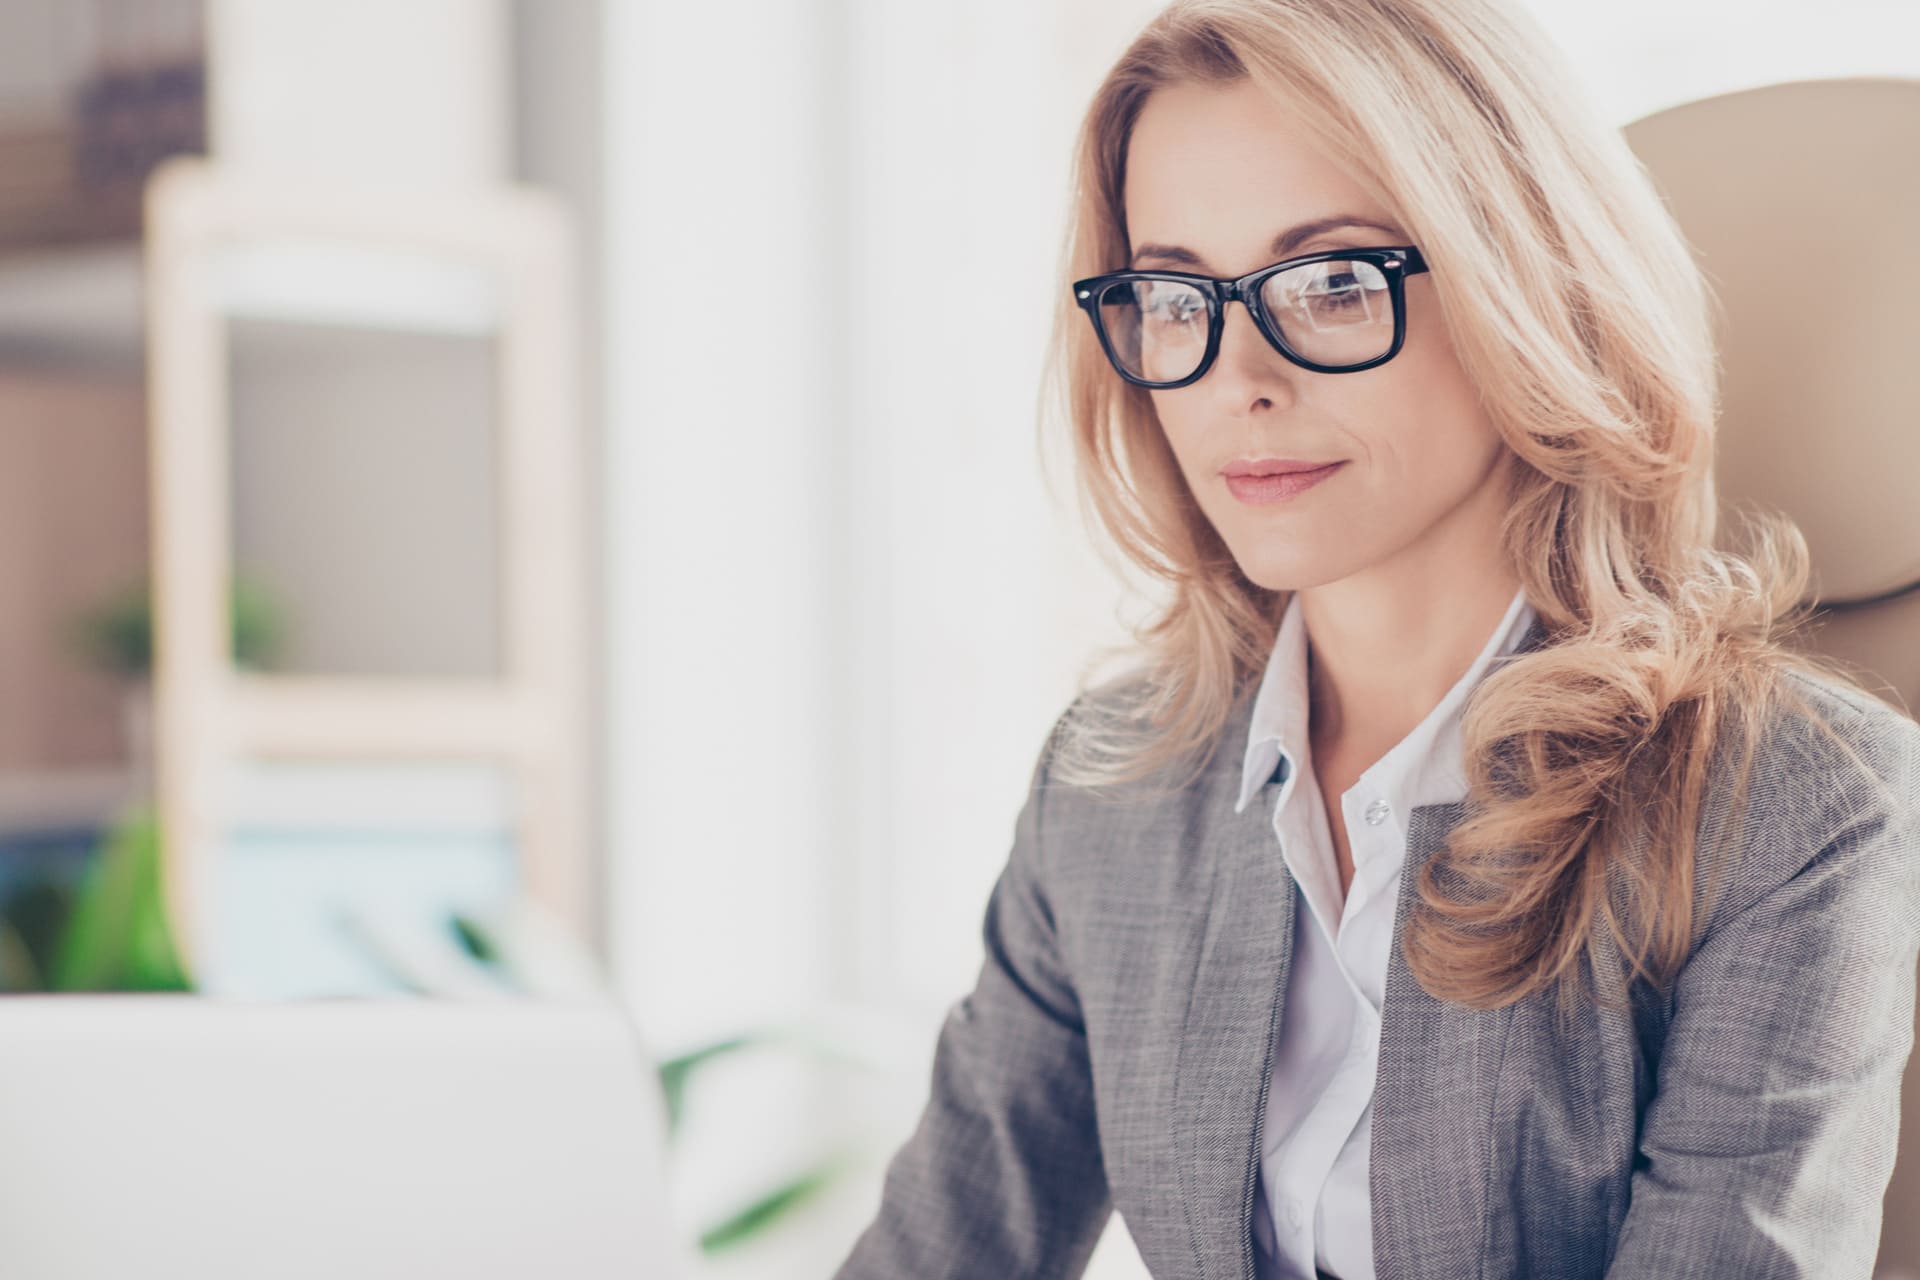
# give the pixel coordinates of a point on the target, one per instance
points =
(1432, 1104)
(1428, 1173)
(1438, 1064)
(1234, 1006)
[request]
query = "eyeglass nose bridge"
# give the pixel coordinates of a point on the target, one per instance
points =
(1246, 293)
(1230, 290)
(1225, 291)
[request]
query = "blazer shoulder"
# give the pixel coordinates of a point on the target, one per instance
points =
(1843, 746)
(1836, 770)
(1107, 728)
(1113, 705)
(1116, 696)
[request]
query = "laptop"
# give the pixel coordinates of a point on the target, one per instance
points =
(180, 1135)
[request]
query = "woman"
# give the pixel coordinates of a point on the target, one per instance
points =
(1469, 880)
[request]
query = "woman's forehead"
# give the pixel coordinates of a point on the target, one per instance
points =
(1224, 165)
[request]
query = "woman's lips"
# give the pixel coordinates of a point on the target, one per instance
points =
(1261, 490)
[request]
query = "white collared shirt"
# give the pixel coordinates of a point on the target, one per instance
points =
(1312, 1210)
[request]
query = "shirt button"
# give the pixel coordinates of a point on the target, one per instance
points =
(1377, 813)
(1293, 1214)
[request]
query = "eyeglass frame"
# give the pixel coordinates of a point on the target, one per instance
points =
(1395, 264)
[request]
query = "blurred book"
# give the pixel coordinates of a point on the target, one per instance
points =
(93, 95)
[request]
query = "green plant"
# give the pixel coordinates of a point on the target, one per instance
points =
(767, 1209)
(30, 927)
(117, 938)
(775, 1206)
(780, 1202)
(118, 635)
(108, 934)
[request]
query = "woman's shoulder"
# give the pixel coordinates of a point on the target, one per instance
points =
(1107, 779)
(1121, 717)
(1825, 754)
(1839, 741)
(1835, 775)
(1123, 850)
(1121, 694)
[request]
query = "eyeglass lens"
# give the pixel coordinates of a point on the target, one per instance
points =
(1338, 312)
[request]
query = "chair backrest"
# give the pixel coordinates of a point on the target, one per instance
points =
(1801, 201)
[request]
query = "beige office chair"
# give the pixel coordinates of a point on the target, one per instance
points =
(1802, 202)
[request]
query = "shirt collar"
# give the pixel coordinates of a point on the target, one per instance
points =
(1423, 768)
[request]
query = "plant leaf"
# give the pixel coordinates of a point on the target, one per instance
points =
(676, 1071)
(17, 969)
(117, 937)
(772, 1208)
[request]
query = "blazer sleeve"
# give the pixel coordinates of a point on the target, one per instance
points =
(1003, 1177)
(1768, 1145)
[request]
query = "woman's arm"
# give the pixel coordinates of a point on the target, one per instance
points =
(1769, 1143)
(1003, 1176)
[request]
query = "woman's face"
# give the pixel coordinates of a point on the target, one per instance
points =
(1213, 176)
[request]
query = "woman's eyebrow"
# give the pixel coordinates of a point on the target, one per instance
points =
(1282, 245)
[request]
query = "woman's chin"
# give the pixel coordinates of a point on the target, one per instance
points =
(1288, 577)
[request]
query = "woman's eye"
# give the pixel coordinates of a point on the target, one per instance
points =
(1172, 309)
(1337, 293)
(1341, 290)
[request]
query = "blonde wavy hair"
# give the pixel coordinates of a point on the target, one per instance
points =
(1576, 307)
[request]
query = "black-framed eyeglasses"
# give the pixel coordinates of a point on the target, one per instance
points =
(1340, 311)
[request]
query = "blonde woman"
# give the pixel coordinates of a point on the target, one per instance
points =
(1467, 879)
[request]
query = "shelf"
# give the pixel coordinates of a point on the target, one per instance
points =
(70, 304)
(86, 304)
(72, 798)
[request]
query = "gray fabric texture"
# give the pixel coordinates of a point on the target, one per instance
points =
(1112, 1053)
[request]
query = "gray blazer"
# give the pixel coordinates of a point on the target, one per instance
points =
(1114, 1051)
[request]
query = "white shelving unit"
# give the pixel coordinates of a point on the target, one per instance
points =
(227, 246)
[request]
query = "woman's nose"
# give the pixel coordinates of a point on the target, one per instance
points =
(1240, 335)
(1246, 361)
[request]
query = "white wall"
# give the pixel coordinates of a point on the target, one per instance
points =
(723, 478)
(412, 93)
(1641, 56)
(874, 616)
(842, 611)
